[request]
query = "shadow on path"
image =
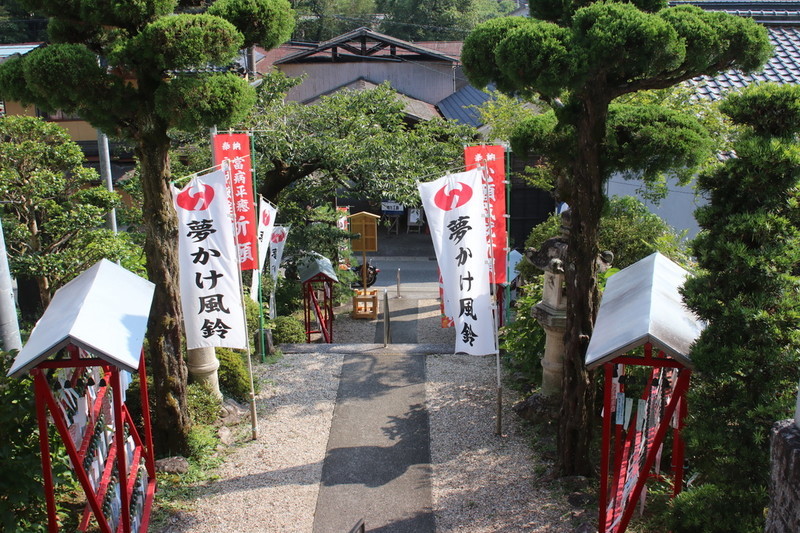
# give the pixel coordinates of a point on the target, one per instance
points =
(377, 465)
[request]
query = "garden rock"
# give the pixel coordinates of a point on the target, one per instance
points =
(173, 465)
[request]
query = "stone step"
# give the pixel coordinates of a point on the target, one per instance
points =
(374, 349)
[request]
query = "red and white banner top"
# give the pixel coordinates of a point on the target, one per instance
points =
(493, 159)
(235, 147)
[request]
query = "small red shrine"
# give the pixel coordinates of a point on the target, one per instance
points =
(641, 339)
(317, 276)
(94, 329)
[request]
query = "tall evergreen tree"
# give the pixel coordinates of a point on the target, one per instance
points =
(135, 70)
(580, 56)
(748, 291)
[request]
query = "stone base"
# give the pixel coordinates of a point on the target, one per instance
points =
(784, 493)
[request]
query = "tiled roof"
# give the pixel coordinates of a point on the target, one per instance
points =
(416, 109)
(782, 20)
(8, 50)
(461, 105)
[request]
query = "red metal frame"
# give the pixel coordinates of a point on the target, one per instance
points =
(46, 402)
(323, 313)
(677, 402)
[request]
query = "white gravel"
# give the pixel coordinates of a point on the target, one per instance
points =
(481, 482)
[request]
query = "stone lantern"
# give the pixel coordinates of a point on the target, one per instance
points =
(551, 312)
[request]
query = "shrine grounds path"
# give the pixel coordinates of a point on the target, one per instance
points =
(401, 437)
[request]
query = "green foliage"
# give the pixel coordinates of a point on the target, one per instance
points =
(627, 228)
(144, 89)
(22, 505)
(234, 377)
(287, 330)
(184, 41)
(320, 20)
(288, 297)
(216, 99)
(710, 508)
(523, 338)
(267, 23)
(445, 20)
(202, 403)
(54, 215)
(770, 110)
(352, 140)
(605, 50)
(747, 291)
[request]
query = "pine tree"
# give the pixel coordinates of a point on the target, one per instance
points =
(747, 360)
(580, 56)
(135, 70)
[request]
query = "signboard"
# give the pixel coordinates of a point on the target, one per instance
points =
(492, 158)
(235, 147)
(210, 284)
(392, 208)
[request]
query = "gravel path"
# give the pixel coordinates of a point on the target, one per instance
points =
(481, 482)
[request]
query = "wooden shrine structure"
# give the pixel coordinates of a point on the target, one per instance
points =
(641, 339)
(94, 327)
(317, 276)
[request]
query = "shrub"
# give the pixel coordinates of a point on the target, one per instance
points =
(287, 330)
(746, 360)
(202, 403)
(234, 379)
(523, 339)
(22, 506)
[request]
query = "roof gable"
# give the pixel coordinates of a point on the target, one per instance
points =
(642, 303)
(104, 310)
(364, 44)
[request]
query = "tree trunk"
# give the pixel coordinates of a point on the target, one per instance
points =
(586, 201)
(164, 332)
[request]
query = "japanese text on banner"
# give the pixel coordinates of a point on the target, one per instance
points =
(454, 206)
(209, 280)
(235, 147)
(493, 159)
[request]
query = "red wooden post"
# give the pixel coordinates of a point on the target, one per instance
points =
(41, 390)
(123, 467)
(604, 465)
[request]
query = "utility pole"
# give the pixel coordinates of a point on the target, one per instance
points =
(9, 326)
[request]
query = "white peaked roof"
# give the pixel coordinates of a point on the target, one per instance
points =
(642, 304)
(104, 310)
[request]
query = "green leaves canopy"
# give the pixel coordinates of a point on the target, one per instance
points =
(611, 47)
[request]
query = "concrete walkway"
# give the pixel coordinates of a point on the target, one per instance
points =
(377, 464)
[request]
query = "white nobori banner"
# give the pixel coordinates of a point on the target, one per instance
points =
(209, 264)
(277, 242)
(266, 222)
(455, 209)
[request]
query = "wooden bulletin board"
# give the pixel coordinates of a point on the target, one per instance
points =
(366, 225)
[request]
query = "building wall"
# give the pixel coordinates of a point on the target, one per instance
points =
(677, 209)
(78, 129)
(426, 81)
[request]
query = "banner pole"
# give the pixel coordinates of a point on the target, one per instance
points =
(498, 430)
(253, 418)
(260, 266)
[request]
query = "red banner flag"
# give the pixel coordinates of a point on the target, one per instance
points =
(494, 159)
(235, 147)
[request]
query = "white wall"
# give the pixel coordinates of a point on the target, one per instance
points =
(677, 208)
(427, 81)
